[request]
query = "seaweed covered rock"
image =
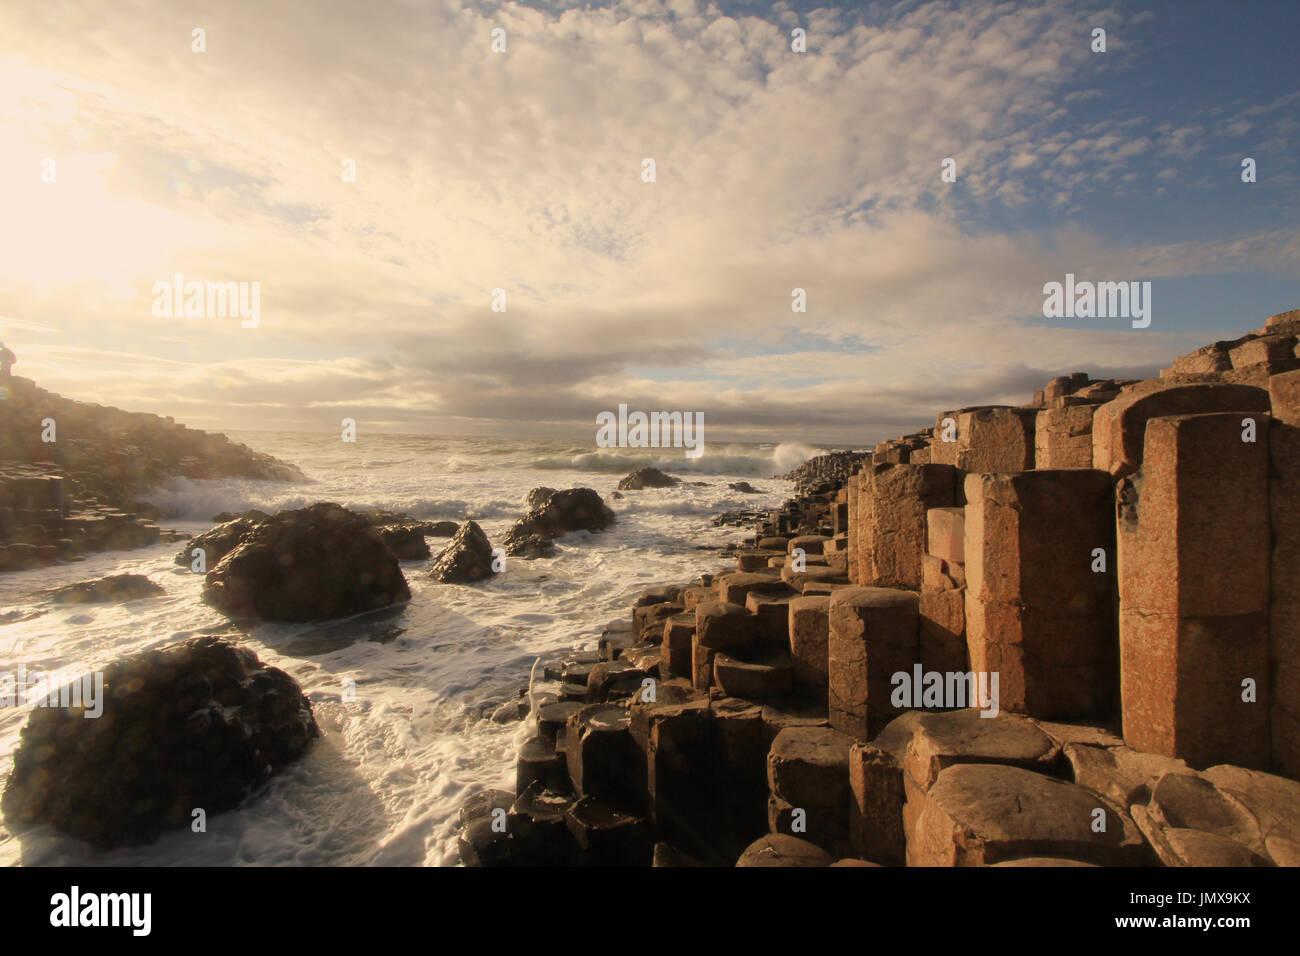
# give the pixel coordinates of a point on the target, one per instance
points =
(199, 724)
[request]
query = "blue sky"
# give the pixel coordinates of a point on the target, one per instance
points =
(522, 171)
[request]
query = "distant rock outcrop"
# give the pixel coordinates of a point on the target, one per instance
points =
(573, 509)
(195, 725)
(308, 564)
(825, 471)
(71, 473)
(466, 559)
(647, 478)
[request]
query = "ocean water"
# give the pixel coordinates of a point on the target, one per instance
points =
(384, 784)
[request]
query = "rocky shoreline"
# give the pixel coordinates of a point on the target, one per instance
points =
(71, 474)
(1057, 634)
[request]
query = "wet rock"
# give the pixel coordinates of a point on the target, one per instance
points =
(744, 487)
(197, 724)
(217, 542)
(406, 543)
(647, 478)
(482, 804)
(614, 680)
(607, 836)
(538, 497)
(117, 587)
(538, 762)
(573, 509)
(532, 546)
(538, 829)
(466, 559)
(310, 564)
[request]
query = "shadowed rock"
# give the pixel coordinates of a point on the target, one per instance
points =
(197, 724)
(573, 509)
(466, 559)
(310, 564)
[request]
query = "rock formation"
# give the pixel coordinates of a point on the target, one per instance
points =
(647, 478)
(556, 514)
(466, 559)
(71, 473)
(199, 724)
(307, 564)
(1060, 634)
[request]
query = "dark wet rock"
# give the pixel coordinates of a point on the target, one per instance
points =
(538, 827)
(483, 803)
(744, 487)
(217, 542)
(538, 497)
(466, 559)
(573, 509)
(199, 724)
(647, 478)
(309, 564)
(407, 544)
(442, 529)
(117, 587)
(532, 546)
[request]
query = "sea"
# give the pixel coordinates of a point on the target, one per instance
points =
(384, 784)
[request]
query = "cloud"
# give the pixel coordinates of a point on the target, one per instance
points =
(477, 171)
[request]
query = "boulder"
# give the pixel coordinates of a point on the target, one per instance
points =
(538, 497)
(466, 559)
(647, 478)
(573, 509)
(217, 542)
(406, 542)
(202, 723)
(307, 564)
(115, 588)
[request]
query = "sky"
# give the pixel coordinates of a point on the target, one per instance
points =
(127, 157)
